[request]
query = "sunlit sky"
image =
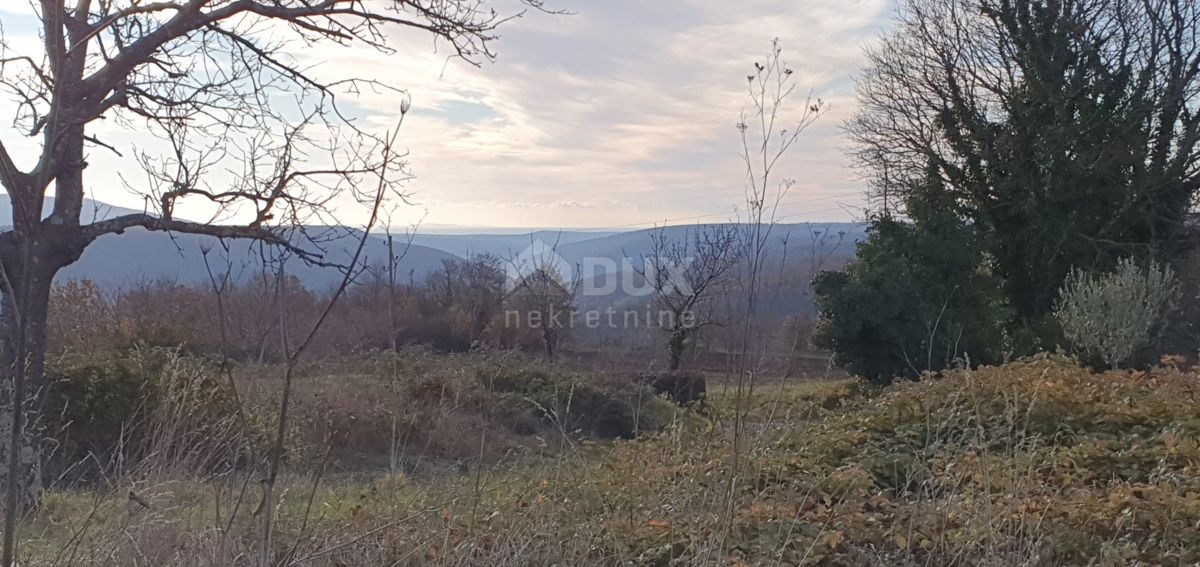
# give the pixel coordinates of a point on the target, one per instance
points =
(620, 115)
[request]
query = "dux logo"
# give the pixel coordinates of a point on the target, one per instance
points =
(597, 276)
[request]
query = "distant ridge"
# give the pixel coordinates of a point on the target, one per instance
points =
(114, 261)
(92, 210)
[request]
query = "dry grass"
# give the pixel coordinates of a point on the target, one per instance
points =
(1038, 462)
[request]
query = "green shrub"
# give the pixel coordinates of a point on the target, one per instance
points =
(1110, 317)
(919, 297)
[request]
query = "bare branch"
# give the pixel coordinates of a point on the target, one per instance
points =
(272, 236)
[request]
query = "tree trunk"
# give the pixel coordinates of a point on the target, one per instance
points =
(24, 372)
(549, 341)
(675, 348)
(29, 264)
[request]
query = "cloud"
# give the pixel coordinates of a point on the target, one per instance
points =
(635, 102)
(620, 114)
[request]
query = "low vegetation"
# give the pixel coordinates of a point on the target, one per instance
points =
(375, 413)
(1029, 198)
(1036, 462)
(1111, 317)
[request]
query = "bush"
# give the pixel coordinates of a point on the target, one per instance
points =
(116, 412)
(683, 388)
(919, 297)
(1110, 317)
(576, 405)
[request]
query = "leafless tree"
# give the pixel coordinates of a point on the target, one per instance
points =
(294, 351)
(388, 273)
(768, 132)
(684, 273)
(216, 82)
(542, 290)
(473, 286)
(545, 300)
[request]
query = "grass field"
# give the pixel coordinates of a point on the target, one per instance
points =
(1038, 462)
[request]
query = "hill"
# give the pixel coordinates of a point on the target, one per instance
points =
(118, 260)
(800, 240)
(92, 211)
(504, 245)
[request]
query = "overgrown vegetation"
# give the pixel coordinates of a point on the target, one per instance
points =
(371, 413)
(1021, 153)
(460, 305)
(1038, 462)
(109, 414)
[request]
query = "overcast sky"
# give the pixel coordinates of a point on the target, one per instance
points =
(620, 115)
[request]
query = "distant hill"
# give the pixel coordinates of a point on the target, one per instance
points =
(802, 240)
(794, 252)
(91, 212)
(576, 245)
(118, 260)
(504, 245)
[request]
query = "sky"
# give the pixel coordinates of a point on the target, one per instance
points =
(619, 115)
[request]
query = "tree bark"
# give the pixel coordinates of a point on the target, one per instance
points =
(29, 261)
(549, 342)
(675, 348)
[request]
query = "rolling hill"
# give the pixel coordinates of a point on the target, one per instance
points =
(117, 260)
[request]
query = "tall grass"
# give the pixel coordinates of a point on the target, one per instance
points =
(1036, 463)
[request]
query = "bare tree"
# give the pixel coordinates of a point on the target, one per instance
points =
(393, 263)
(215, 82)
(542, 290)
(473, 286)
(546, 299)
(684, 273)
(294, 351)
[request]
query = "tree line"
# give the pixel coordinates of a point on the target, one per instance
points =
(459, 305)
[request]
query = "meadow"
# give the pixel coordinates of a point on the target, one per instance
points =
(502, 459)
